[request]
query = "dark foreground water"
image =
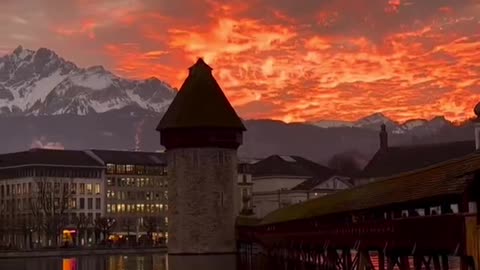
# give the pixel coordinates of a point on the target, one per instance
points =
(150, 262)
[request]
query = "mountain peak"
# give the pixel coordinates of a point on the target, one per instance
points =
(18, 50)
(43, 83)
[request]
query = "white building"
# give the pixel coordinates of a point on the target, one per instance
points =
(50, 196)
(279, 181)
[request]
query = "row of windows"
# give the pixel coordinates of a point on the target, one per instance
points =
(136, 169)
(50, 172)
(136, 182)
(138, 195)
(26, 188)
(69, 203)
(136, 208)
(81, 203)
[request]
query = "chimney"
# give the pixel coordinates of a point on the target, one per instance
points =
(383, 138)
(476, 124)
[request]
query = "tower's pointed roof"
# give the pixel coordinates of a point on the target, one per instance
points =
(200, 103)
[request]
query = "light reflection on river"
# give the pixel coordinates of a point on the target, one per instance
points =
(150, 262)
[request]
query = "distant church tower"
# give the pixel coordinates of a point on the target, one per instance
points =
(201, 133)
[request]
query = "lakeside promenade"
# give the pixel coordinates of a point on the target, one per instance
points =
(69, 252)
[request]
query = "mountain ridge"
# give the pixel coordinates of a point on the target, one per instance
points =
(42, 83)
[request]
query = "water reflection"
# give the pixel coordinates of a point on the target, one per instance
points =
(69, 264)
(227, 262)
(159, 262)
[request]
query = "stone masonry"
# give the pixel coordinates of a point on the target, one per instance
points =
(201, 200)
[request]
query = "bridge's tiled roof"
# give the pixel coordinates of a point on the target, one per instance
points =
(438, 180)
(290, 166)
(400, 159)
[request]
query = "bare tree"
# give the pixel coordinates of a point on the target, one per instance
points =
(49, 206)
(104, 225)
(153, 224)
(349, 163)
(26, 227)
(81, 224)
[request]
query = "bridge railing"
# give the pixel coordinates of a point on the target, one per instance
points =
(444, 234)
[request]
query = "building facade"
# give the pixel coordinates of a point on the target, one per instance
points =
(244, 190)
(136, 194)
(46, 194)
(280, 181)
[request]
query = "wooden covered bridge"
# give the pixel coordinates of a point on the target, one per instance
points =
(416, 220)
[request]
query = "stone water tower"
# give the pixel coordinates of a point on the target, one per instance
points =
(201, 133)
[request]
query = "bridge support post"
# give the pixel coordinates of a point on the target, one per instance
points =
(404, 263)
(381, 260)
(347, 259)
(444, 262)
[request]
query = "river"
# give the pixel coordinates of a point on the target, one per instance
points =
(143, 262)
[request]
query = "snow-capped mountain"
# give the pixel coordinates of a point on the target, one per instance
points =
(42, 83)
(375, 120)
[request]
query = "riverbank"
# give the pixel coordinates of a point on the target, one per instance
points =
(70, 252)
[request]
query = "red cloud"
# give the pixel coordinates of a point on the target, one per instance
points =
(305, 70)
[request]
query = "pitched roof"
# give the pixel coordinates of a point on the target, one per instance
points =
(315, 181)
(39, 156)
(446, 178)
(400, 159)
(200, 103)
(131, 157)
(290, 166)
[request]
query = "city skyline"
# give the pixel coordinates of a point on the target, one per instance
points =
(407, 59)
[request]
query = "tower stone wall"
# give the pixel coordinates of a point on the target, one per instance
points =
(201, 194)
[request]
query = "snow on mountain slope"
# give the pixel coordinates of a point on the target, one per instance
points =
(332, 123)
(375, 120)
(42, 83)
(414, 123)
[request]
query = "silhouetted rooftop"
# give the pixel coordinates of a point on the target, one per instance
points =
(399, 159)
(290, 166)
(131, 157)
(200, 103)
(38, 156)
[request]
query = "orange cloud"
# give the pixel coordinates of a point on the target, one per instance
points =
(408, 59)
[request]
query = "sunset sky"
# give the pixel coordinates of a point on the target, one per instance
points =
(292, 60)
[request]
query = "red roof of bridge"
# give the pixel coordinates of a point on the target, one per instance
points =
(431, 182)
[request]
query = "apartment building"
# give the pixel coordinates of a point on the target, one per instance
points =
(44, 194)
(136, 194)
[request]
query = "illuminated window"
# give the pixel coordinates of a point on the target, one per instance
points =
(73, 188)
(89, 189)
(140, 169)
(120, 169)
(97, 189)
(73, 203)
(109, 208)
(110, 181)
(114, 208)
(130, 169)
(110, 168)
